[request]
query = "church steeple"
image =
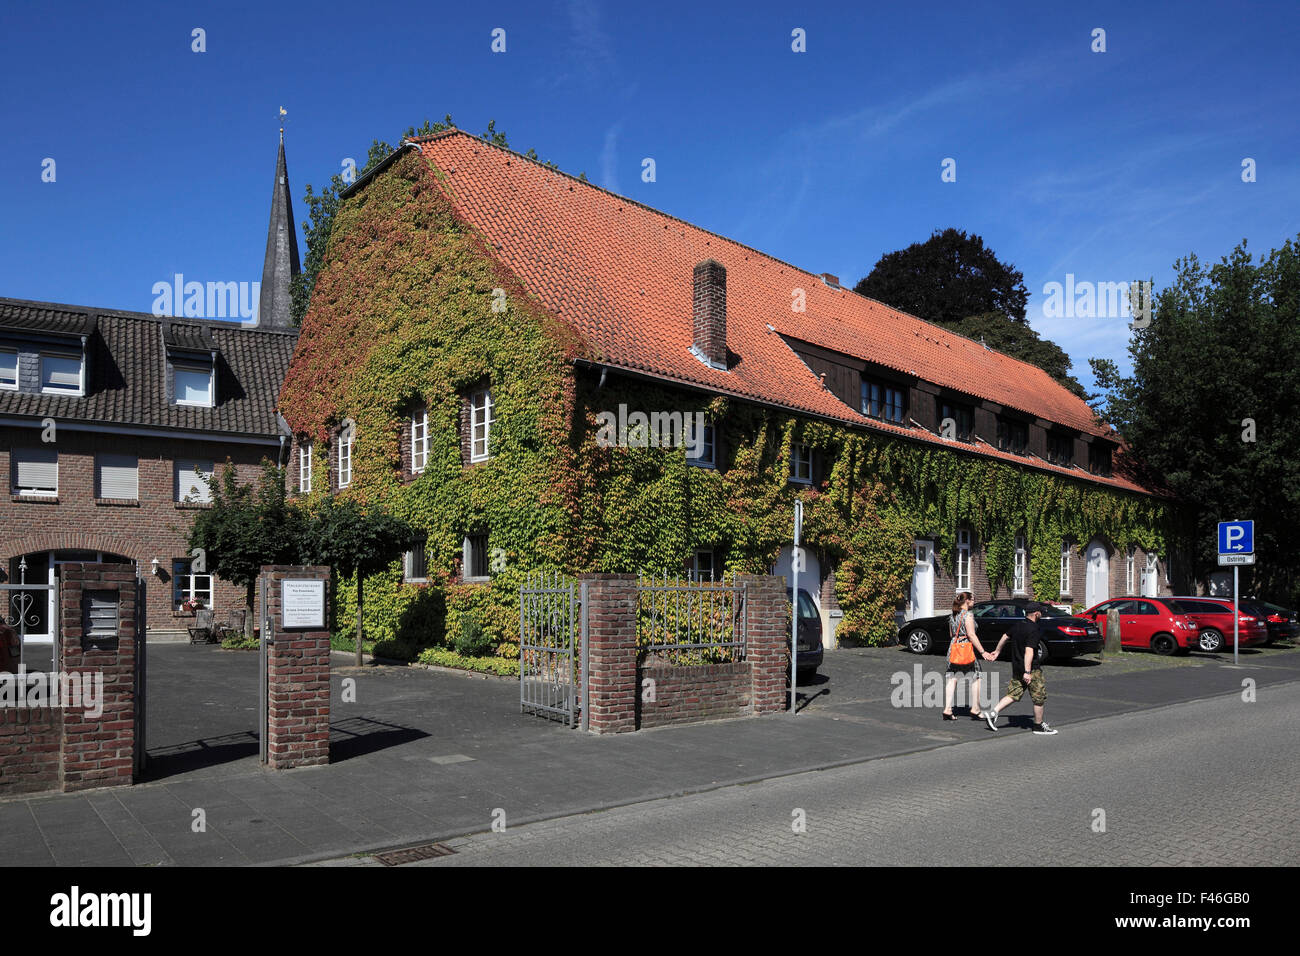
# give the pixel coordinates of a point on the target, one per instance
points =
(281, 263)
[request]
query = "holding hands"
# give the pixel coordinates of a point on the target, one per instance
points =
(990, 656)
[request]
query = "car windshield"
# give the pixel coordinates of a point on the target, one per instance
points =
(807, 609)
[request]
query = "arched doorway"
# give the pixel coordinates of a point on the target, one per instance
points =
(1097, 586)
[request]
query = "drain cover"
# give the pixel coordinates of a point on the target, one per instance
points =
(412, 853)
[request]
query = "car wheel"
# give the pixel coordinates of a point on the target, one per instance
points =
(1209, 640)
(919, 641)
(1164, 644)
(1042, 652)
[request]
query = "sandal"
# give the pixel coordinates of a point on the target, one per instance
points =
(947, 716)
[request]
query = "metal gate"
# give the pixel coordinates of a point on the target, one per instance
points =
(141, 663)
(18, 611)
(553, 648)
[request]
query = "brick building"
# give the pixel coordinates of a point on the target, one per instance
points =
(646, 300)
(111, 423)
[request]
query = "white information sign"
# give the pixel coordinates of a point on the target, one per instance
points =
(302, 603)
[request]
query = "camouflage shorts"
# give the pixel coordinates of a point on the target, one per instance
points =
(1037, 688)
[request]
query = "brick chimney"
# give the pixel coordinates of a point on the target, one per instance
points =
(710, 339)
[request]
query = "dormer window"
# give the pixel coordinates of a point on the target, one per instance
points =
(1099, 458)
(1060, 449)
(1013, 436)
(955, 420)
(195, 382)
(63, 373)
(881, 400)
(9, 368)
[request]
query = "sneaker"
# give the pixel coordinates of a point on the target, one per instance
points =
(991, 718)
(1044, 729)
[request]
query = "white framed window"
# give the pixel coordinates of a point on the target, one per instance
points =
(704, 565)
(1130, 569)
(194, 383)
(35, 471)
(63, 373)
(419, 439)
(1019, 574)
(117, 476)
(8, 368)
(1065, 568)
(304, 468)
(474, 558)
(801, 463)
(193, 483)
(189, 587)
(705, 458)
(415, 563)
(346, 437)
(963, 561)
(480, 425)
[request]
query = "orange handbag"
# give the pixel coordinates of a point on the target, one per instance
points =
(960, 651)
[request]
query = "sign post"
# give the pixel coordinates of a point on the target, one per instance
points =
(1236, 547)
(796, 559)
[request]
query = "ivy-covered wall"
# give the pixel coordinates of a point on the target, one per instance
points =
(403, 313)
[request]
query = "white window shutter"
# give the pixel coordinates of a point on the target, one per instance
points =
(36, 469)
(119, 476)
(195, 487)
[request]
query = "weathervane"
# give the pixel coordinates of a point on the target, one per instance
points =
(283, 114)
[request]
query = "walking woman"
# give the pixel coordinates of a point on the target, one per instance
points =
(964, 654)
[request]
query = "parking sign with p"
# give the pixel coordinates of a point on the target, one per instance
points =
(1236, 537)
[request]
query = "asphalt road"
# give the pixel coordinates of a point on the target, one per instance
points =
(1213, 782)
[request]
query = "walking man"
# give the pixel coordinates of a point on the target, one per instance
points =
(1025, 671)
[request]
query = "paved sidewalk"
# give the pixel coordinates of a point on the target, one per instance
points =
(425, 755)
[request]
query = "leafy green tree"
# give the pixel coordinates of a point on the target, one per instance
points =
(1210, 408)
(248, 525)
(953, 280)
(946, 278)
(355, 542)
(322, 206)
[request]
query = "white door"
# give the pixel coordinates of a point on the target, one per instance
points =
(921, 601)
(1150, 586)
(1098, 581)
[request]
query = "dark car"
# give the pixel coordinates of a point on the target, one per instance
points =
(1061, 634)
(1283, 624)
(1214, 615)
(810, 634)
(1160, 624)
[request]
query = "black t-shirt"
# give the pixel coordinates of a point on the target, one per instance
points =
(1023, 634)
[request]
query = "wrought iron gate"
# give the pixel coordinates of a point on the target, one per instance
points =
(553, 648)
(18, 611)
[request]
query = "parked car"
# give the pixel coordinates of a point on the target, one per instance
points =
(1214, 615)
(1283, 624)
(1160, 624)
(1062, 634)
(810, 634)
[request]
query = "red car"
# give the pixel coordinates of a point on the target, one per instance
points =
(1215, 617)
(1159, 624)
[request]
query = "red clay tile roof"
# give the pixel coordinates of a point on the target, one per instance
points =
(620, 273)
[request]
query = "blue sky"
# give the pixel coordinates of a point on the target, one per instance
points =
(1107, 165)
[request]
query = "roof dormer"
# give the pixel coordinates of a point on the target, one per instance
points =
(191, 365)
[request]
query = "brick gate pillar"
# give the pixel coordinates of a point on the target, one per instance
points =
(98, 636)
(611, 639)
(298, 675)
(768, 640)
